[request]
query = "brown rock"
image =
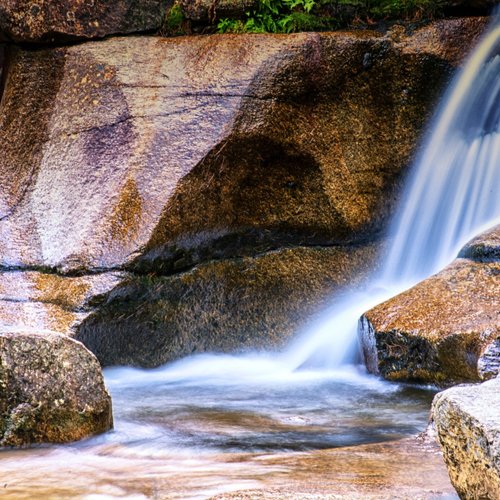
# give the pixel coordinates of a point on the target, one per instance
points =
(180, 150)
(40, 21)
(467, 419)
(221, 306)
(210, 10)
(51, 390)
(444, 330)
(484, 248)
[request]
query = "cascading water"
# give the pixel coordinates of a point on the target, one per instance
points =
(454, 190)
(208, 423)
(452, 193)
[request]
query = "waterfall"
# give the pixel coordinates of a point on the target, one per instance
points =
(451, 194)
(454, 188)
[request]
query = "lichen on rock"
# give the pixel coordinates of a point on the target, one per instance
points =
(51, 390)
(467, 419)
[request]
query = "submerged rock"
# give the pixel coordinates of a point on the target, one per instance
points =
(51, 21)
(444, 330)
(467, 419)
(51, 390)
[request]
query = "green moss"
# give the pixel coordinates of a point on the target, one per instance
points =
(174, 21)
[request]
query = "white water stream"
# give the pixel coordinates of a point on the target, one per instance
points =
(208, 424)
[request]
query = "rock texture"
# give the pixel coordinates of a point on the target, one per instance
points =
(40, 21)
(231, 305)
(51, 390)
(153, 156)
(444, 330)
(217, 143)
(484, 248)
(210, 10)
(467, 419)
(34, 299)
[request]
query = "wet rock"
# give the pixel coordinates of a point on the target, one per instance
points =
(444, 330)
(157, 155)
(467, 419)
(484, 248)
(51, 21)
(51, 390)
(221, 306)
(155, 151)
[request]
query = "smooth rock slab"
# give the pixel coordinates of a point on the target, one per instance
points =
(168, 152)
(444, 330)
(51, 390)
(467, 419)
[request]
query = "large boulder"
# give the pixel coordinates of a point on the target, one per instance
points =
(48, 21)
(467, 419)
(155, 155)
(230, 305)
(444, 330)
(148, 149)
(51, 390)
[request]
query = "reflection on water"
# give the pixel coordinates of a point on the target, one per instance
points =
(185, 436)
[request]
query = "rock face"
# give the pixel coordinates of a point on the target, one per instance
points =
(444, 330)
(41, 21)
(210, 10)
(217, 143)
(152, 156)
(467, 419)
(223, 306)
(51, 390)
(34, 299)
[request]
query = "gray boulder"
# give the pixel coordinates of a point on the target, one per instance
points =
(467, 419)
(51, 390)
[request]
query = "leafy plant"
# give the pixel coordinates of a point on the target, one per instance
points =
(270, 16)
(287, 16)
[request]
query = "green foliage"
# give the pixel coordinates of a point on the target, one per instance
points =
(287, 16)
(174, 20)
(273, 16)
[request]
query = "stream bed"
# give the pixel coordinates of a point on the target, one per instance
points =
(216, 425)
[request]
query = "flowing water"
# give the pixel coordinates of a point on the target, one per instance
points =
(209, 424)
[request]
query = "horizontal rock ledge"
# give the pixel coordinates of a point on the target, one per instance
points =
(59, 21)
(232, 305)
